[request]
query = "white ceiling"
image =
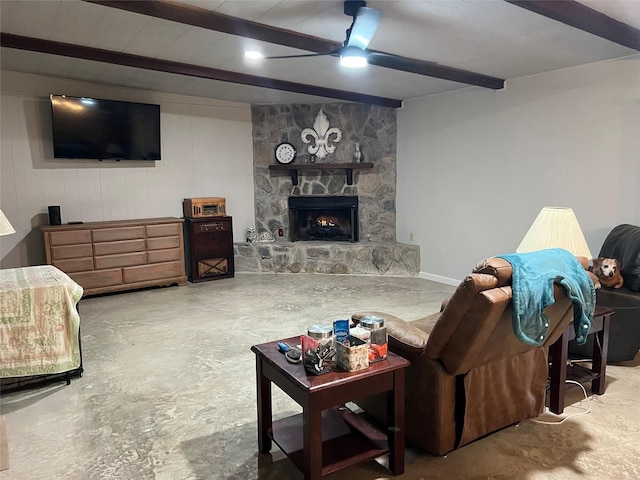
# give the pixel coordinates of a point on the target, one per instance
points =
(490, 37)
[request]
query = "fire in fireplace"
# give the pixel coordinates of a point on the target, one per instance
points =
(323, 218)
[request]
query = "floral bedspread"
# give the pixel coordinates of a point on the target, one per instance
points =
(39, 322)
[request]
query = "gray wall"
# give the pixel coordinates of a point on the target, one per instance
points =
(476, 166)
(206, 152)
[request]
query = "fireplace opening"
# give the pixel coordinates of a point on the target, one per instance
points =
(323, 218)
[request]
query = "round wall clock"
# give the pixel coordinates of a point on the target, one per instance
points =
(285, 153)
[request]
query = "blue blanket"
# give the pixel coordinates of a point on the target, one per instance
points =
(534, 274)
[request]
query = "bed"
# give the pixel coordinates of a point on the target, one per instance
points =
(39, 325)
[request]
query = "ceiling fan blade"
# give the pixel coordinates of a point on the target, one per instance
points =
(332, 52)
(363, 28)
(397, 62)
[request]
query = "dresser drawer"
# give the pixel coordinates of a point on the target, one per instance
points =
(157, 271)
(71, 237)
(74, 264)
(120, 233)
(164, 230)
(159, 256)
(123, 260)
(124, 246)
(103, 278)
(160, 243)
(222, 225)
(215, 250)
(213, 244)
(71, 251)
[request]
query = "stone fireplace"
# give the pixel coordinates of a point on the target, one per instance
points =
(307, 240)
(372, 127)
(333, 219)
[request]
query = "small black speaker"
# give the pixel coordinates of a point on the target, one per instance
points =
(54, 215)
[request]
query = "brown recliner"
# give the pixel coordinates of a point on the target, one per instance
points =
(469, 375)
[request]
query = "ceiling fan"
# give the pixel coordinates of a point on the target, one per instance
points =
(353, 53)
(199, 17)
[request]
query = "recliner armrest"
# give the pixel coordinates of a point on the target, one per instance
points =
(403, 336)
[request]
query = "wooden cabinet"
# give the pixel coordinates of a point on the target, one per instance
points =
(209, 248)
(120, 255)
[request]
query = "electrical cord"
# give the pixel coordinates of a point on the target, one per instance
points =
(583, 412)
(587, 360)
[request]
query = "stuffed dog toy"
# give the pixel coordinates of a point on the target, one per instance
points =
(608, 272)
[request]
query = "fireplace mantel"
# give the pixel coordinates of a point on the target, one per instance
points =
(347, 167)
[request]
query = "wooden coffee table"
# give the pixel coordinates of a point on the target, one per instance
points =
(559, 354)
(327, 436)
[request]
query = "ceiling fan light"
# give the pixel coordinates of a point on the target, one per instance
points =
(253, 54)
(353, 57)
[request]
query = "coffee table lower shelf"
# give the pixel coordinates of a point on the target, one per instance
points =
(347, 439)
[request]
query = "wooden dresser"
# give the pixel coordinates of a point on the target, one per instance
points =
(118, 255)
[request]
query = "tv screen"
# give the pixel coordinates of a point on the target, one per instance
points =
(104, 129)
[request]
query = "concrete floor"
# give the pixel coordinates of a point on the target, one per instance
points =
(169, 392)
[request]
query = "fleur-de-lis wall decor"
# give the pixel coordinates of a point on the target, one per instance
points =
(321, 135)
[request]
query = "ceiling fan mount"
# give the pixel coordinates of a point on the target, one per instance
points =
(351, 7)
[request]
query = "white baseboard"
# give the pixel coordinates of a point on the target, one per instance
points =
(439, 278)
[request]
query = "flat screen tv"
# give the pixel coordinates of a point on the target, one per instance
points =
(104, 129)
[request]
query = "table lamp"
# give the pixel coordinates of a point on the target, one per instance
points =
(555, 227)
(5, 226)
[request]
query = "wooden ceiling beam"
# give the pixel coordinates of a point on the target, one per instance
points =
(136, 61)
(219, 22)
(580, 16)
(208, 19)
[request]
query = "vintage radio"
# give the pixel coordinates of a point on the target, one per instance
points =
(205, 207)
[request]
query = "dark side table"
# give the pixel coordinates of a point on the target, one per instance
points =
(559, 353)
(327, 437)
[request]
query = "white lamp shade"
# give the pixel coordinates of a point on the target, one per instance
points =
(555, 227)
(5, 225)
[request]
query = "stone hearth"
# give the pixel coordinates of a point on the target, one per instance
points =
(372, 258)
